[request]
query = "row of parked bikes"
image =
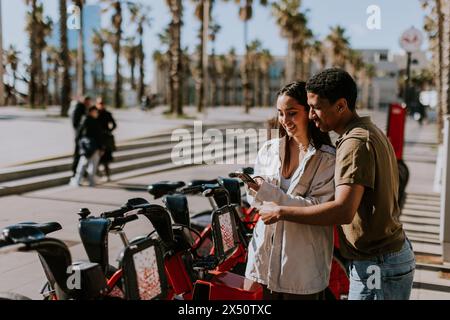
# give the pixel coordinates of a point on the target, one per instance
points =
(186, 256)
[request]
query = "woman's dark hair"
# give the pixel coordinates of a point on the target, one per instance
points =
(297, 90)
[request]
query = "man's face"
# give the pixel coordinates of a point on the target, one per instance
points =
(87, 103)
(324, 114)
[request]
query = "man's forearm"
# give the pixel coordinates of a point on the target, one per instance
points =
(325, 214)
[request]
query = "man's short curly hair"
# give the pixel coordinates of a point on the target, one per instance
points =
(334, 84)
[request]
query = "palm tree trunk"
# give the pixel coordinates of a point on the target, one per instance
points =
(266, 98)
(246, 85)
(117, 49)
(133, 79)
(80, 56)
(13, 90)
(40, 79)
(141, 88)
(32, 86)
(48, 96)
(55, 94)
(65, 60)
(445, 9)
(438, 68)
(199, 84)
(102, 78)
(290, 65)
(176, 8)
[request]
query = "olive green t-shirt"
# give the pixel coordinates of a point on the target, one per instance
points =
(365, 156)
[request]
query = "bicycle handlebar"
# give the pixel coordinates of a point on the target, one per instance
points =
(115, 213)
(120, 221)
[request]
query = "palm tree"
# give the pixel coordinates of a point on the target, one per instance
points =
(293, 24)
(81, 84)
(56, 61)
(116, 22)
(230, 74)
(245, 14)
(12, 61)
(162, 68)
(251, 64)
(130, 52)
(221, 66)
(213, 29)
(301, 46)
(176, 80)
(224, 69)
(186, 74)
(39, 27)
(140, 15)
(198, 70)
(356, 66)
(339, 44)
(265, 61)
(99, 42)
(31, 29)
(434, 26)
(162, 60)
(367, 75)
(319, 54)
(65, 60)
(53, 64)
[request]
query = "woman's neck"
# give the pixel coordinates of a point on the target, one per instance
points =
(302, 141)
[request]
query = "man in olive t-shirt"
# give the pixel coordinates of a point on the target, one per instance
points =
(366, 157)
(366, 197)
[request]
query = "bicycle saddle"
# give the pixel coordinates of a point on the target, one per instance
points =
(162, 188)
(27, 233)
(46, 227)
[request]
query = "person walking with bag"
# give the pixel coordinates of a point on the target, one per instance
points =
(108, 125)
(90, 141)
(77, 113)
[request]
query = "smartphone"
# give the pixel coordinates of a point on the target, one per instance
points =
(243, 176)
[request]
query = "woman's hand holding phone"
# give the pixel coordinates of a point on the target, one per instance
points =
(258, 181)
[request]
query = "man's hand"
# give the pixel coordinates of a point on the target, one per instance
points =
(270, 212)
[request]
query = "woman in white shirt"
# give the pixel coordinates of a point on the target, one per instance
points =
(292, 261)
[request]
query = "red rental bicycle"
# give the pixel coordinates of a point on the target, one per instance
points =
(183, 267)
(67, 280)
(193, 276)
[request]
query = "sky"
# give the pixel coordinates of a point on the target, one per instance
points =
(396, 16)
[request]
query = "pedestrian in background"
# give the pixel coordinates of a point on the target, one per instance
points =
(77, 114)
(108, 125)
(90, 141)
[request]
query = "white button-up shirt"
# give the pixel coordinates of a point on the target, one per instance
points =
(290, 257)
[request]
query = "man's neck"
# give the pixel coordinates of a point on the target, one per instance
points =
(346, 119)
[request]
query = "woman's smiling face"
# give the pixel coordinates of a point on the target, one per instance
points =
(292, 115)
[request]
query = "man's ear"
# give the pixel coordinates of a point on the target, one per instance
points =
(341, 105)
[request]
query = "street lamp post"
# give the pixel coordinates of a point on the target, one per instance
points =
(408, 78)
(445, 194)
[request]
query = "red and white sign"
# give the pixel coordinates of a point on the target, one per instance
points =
(411, 40)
